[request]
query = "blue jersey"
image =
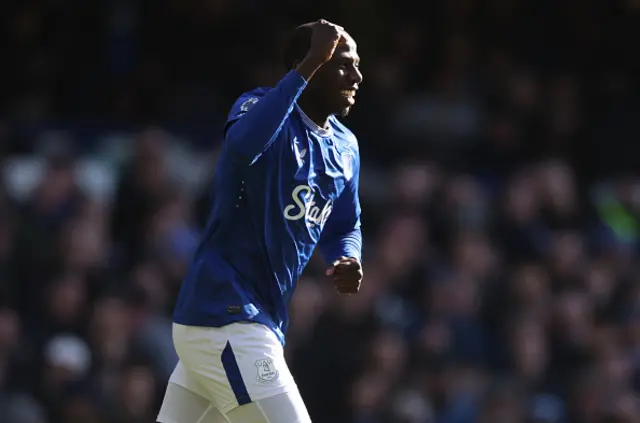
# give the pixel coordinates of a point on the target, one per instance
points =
(282, 186)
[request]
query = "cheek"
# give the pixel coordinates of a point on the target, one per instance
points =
(330, 75)
(318, 86)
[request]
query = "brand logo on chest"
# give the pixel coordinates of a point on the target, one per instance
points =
(306, 207)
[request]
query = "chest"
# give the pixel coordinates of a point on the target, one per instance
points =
(316, 165)
(312, 177)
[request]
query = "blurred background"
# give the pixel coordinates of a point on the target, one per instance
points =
(500, 189)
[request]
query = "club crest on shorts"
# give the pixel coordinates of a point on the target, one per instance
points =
(266, 370)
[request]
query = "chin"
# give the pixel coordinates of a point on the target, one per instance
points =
(342, 106)
(344, 112)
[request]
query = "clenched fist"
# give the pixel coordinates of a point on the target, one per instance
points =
(346, 273)
(325, 37)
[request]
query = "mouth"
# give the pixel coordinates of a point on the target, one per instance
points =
(349, 95)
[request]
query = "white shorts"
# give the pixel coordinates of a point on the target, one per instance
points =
(230, 366)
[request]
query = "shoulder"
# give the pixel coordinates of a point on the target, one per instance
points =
(243, 103)
(256, 93)
(347, 137)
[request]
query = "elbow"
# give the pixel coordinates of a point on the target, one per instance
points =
(234, 138)
(236, 146)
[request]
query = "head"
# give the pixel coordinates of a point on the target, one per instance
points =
(333, 87)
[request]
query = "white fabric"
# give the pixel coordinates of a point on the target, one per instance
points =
(207, 389)
(283, 408)
(183, 406)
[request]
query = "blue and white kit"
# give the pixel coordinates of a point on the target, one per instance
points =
(283, 186)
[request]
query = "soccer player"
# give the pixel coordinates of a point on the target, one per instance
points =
(287, 180)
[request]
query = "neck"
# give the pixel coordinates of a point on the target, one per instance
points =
(319, 118)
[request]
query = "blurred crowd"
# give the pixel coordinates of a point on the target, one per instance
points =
(500, 192)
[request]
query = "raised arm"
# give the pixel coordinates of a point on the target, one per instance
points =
(255, 121)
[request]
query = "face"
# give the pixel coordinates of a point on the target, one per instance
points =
(336, 82)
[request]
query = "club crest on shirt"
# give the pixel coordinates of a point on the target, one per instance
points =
(244, 108)
(347, 165)
(266, 371)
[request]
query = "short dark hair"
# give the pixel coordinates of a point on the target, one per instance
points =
(297, 45)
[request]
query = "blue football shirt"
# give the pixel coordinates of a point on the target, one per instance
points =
(283, 186)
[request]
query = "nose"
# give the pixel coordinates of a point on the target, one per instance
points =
(357, 76)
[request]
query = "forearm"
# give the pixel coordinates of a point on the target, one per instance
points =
(259, 127)
(251, 135)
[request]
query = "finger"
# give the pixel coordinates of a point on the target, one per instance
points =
(345, 291)
(348, 291)
(332, 24)
(326, 22)
(351, 270)
(348, 260)
(350, 284)
(330, 271)
(345, 275)
(338, 261)
(342, 293)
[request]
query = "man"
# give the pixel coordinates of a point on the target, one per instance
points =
(287, 181)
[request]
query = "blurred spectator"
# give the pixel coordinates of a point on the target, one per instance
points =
(499, 186)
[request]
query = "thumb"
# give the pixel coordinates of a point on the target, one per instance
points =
(332, 269)
(338, 261)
